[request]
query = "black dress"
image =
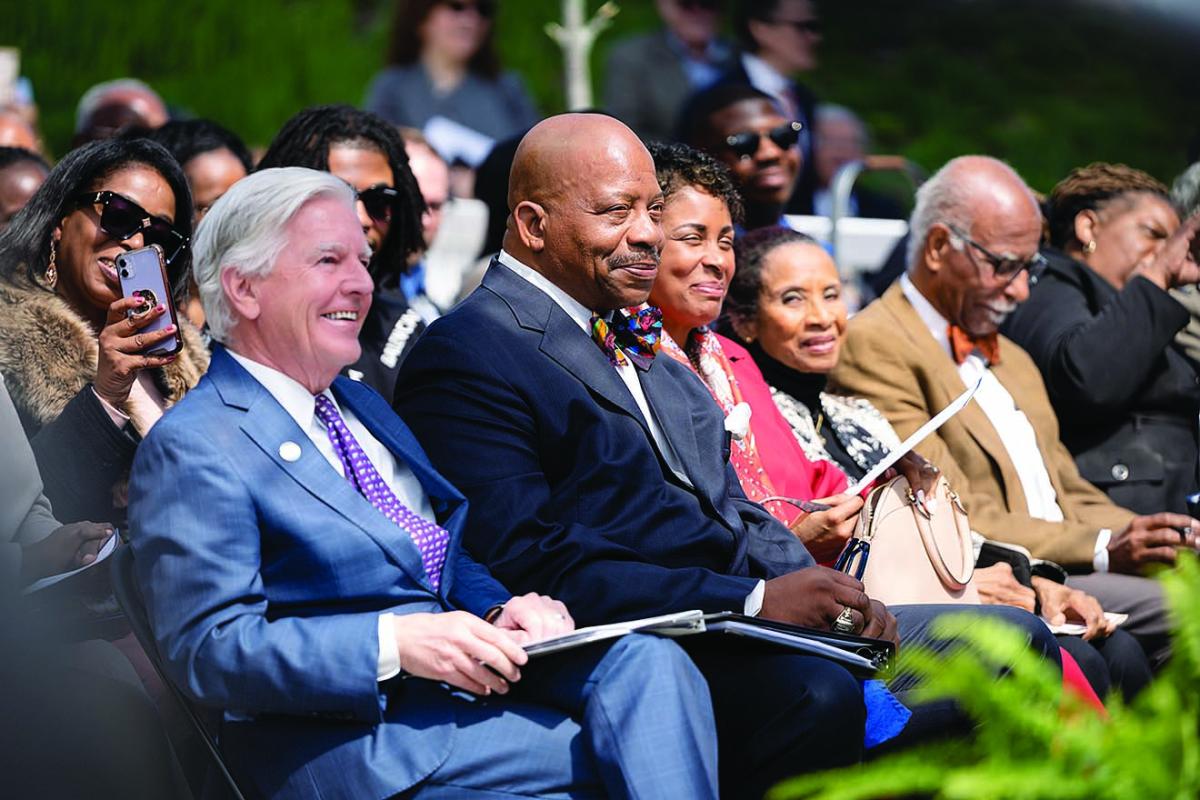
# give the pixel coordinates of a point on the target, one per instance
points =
(1127, 398)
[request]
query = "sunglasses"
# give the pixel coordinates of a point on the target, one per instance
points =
(379, 201)
(122, 219)
(1005, 269)
(485, 9)
(745, 144)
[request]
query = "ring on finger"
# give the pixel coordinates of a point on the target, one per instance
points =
(844, 622)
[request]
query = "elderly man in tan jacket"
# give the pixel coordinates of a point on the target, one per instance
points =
(973, 244)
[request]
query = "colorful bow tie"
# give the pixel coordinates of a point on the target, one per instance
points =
(634, 335)
(963, 344)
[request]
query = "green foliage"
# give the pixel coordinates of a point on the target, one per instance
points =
(1030, 745)
(1045, 84)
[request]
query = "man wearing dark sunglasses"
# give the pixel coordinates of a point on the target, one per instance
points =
(744, 128)
(779, 39)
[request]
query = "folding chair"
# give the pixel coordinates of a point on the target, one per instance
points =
(126, 591)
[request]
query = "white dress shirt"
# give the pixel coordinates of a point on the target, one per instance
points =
(300, 405)
(628, 372)
(1015, 430)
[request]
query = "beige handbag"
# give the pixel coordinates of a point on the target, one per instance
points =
(904, 555)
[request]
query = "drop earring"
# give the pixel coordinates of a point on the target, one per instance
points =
(51, 275)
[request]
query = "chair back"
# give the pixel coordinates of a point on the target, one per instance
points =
(126, 590)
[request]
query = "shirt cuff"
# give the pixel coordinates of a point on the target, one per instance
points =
(389, 651)
(754, 600)
(118, 417)
(1100, 557)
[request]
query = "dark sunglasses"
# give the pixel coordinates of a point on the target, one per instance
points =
(1005, 269)
(379, 201)
(485, 9)
(745, 144)
(122, 219)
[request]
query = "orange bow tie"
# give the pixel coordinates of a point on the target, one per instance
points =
(963, 344)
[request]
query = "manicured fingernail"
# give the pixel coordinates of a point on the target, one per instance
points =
(169, 329)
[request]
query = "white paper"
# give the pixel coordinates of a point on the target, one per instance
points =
(917, 437)
(105, 552)
(684, 622)
(1076, 629)
(456, 142)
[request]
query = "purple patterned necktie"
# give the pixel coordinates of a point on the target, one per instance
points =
(430, 538)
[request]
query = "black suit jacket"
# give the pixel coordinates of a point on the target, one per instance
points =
(1127, 399)
(522, 412)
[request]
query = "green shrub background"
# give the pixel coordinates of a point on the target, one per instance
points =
(1045, 84)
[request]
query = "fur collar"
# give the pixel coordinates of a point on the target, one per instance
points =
(48, 353)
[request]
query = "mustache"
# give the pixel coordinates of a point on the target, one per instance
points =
(637, 257)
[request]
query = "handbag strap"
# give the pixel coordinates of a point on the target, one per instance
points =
(948, 579)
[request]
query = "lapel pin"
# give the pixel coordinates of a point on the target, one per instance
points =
(289, 451)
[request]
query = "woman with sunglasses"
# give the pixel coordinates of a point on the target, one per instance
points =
(71, 348)
(1101, 326)
(368, 153)
(785, 303)
(442, 63)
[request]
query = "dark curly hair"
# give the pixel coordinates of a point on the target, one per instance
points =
(751, 251)
(25, 244)
(677, 166)
(19, 155)
(188, 138)
(1091, 188)
(305, 141)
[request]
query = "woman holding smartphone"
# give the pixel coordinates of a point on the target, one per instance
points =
(71, 347)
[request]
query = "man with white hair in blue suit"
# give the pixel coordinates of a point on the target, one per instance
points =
(300, 561)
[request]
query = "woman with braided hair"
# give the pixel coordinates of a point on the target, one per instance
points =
(1101, 326)
(368, 153)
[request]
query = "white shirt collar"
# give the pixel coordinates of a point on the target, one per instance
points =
(763, 77)
(296, 400)
(575, 310)
(938, 325)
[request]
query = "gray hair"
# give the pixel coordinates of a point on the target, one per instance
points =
(246, 228)
(949, 199)
(831, 112)
(1185, 191)
(94, 97)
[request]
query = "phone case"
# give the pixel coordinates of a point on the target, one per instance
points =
(143, 273)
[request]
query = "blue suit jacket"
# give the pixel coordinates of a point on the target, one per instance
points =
(520, 409)
(264, 579)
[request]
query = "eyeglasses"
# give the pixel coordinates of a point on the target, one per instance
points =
(745, 144)
(1004, 269)
(485, 9)
(379, 201)
(810, 26)
(122, 219)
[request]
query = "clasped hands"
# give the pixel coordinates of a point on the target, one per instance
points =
(461, 649)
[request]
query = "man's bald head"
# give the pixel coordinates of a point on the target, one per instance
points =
(557, 149)
(974, 215)
(584, 209)
(962, 190)
(15, 131)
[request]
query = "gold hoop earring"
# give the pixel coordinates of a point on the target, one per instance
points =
(51, 276)
(1090, 247)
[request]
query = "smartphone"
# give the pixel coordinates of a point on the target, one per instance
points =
(143, 274)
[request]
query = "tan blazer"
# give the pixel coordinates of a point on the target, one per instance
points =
(890, 358)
